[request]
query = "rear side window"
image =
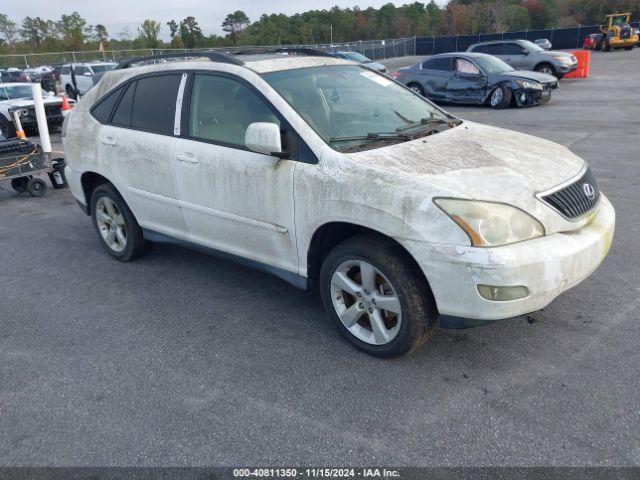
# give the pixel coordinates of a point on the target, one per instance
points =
(154, 103)
(494, 49)
(443, 64)
(122, 115)
(65, 70)
(102, 111)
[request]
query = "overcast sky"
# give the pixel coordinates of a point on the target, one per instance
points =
(117, 14)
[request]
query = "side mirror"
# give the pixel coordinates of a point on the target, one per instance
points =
(264, 137)
(87, 74)
(525, 52)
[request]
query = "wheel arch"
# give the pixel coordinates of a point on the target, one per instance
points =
(90, 181)
(330, 234)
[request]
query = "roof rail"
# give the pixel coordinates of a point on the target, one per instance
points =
(213, 56)
(312, 52)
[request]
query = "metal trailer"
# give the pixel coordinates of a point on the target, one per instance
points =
(20, 162)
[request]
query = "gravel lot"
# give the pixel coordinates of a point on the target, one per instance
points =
(183, 359)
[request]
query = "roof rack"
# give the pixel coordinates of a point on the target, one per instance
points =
(213, 56)
(311, 52)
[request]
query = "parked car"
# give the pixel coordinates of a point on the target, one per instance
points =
(333, 176)
(543, 43)
(85, 76)
(525, 55)
(13, 75)
(19, 97)
(476, 78)
(358, 57)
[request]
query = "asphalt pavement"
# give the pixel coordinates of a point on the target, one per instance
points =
(183, 359)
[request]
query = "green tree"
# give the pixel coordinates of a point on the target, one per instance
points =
(190, 33)
(101, 33)
(148, 32)
(8, 29)
(72, 28)
(235, 23)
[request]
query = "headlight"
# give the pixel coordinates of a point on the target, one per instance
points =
(529, 85)
(563, 59)
(489, 224)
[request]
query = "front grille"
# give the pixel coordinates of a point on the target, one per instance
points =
(576, 199)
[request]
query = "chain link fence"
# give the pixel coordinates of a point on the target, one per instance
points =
(560, 38)
(374, 49)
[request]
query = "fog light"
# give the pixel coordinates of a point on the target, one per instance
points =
(502, 294)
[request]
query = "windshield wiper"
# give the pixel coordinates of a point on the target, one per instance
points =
(430, 122)
(373, 136)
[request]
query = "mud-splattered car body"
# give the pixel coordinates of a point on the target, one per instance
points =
(281, 214)
(439, 79)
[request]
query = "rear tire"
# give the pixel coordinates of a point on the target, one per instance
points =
(501, 97)
(115, 224)
(20, 184)
(416, 88)
(357, 306)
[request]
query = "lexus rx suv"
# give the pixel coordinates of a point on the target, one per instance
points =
(334, 177)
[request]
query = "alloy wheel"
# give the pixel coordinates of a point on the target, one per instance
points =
(366, 302)
(111, 224)
(496, 97)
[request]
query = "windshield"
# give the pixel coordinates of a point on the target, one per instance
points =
(357, 57)
(349, 106)
(102, 68)
(18, 91)
(490, 64)
(532, 47)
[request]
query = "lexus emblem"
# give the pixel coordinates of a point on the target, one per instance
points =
(589, 191)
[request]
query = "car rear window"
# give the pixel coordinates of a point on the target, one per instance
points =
(102, 111)
(154, 103)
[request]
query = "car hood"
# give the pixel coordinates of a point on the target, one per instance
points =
(27, 102)
(527, 75)
(484, 163)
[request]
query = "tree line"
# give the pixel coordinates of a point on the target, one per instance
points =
(457, 17)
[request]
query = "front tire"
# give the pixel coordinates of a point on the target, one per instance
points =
(377, 297)
(547, 69)
(501, 97)
(115, 224)
(36, 187)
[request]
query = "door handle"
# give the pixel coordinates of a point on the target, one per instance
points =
(108, 141)
(187, 157)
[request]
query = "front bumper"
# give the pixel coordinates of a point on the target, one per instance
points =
(527, 98)
(565, 68)
(547, 266)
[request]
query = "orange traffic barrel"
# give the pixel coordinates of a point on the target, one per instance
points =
(584, 59)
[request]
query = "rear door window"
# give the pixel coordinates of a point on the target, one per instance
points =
(154, 103)
(494, 49)
(442, 64)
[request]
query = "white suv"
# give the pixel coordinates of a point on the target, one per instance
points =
(332, 176)
(85, 76)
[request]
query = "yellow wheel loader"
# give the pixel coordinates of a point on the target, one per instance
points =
(617, 33)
